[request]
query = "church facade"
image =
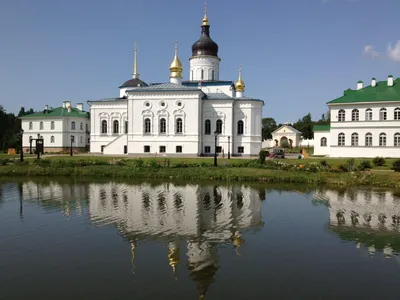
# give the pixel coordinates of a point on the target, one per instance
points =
(194, 117)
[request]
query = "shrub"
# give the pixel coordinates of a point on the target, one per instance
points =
(261, 156)
(364, 165)
(350, 164)
(324, 163)
(121, 162)
(43, 162)
(138, 163)
(378, 161)
(285, 144)
(396, 165)
(153, 164)
(4, 161)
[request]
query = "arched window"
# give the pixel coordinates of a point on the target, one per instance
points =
(163, 125)
(30, 125)
(179, 125)
(41, 126)
(104, 126)
(240, 127)
(52, 125)
(341, 139)
(202, 74)
(382, 139)
(354, 139)
(355, 115)
(342, 115)
(397, 139)
(81, 126)
(207, 127)
(219, 126)
(147, 125)
(213, 75)
(323, 142)
(126, 127)
(81, 139)
(115, 127)
(72, 125)
(397, 113)
(368, 139)
(382, 114)
(368, 114)
(52, 139)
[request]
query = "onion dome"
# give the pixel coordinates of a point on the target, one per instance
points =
(176, 65)
(205, 45)
(240, 85)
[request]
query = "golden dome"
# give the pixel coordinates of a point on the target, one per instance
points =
(240, 85)
(176, 65)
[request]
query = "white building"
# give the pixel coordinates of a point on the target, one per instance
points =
(57, 127)
(179, 117)
(286, 134)
(364, 122)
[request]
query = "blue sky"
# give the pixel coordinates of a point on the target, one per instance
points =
(296, 54)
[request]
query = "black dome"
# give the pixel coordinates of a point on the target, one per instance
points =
(134, 82)
(205, 45)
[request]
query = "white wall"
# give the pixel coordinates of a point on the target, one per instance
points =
(318, 135)
(205, 63)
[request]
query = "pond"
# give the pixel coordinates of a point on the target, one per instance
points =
(155, 240)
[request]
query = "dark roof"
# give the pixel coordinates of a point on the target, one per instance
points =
(166, 87)
(207, 82)
(205, 45)
(58, 112)
(381, 92)
(134, 82)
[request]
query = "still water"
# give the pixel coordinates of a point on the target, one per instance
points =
(115, 240)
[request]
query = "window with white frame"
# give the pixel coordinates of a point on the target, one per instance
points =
(81, 139)
(207, 149)
(162, 149)
(240, 149)
(382, 139)
(341, 115)
(81, 126)
(30, 125)
(72, 125)
(126, 127)
(52, 139)
(147, 126)
(354, 139)
(368, 114)
(341, 139)
(179, 125)
(178, 149)
(397, 113)
(219, 126)
(104, 127)
(368, 139)
(323, 142)
(383, 114)
(115, 127)
(207, 127)
(355, 115)
(52, 125)
(163, 125)
(240, 127)
(397, 139)
(41, 126)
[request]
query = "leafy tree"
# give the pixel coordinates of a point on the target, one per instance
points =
(305, 126)
(268, 126)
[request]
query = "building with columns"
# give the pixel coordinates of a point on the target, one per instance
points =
(180, 116)
(365, 122)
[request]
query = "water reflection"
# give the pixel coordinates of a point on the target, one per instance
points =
(368, 217)
(202, 216)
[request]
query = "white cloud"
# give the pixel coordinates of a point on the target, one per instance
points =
(393, 52)
(370, 51)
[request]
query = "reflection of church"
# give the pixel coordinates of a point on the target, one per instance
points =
(203, 216)
(369, 217)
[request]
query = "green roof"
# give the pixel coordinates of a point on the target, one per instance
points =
(381, 92)
(59, 112)
(322, 128)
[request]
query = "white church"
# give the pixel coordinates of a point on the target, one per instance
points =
(179, 117)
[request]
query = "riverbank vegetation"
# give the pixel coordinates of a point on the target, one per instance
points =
(345, 172)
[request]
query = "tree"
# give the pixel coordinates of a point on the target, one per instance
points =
(305, 126)
(21, 112)
(268, 126)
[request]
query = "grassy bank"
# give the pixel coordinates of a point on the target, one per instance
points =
(308, 172)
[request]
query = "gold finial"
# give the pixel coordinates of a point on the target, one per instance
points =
(205, 19)
(176, 65)
(237, 241)
(135, 68)
(174, 258)
(239, 85)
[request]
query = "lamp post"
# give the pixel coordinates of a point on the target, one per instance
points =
(30, 145)
(38, 146)
(21, 159)
(215, 148)
(72, 140)
(229, 148)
